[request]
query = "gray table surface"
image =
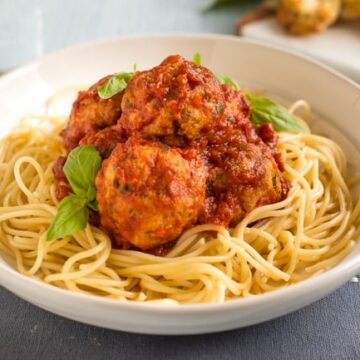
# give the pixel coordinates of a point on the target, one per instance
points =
(328, 329)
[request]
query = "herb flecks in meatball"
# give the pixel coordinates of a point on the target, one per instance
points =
(179, 150)
(148, 192)
(177, 99)
(90, 114)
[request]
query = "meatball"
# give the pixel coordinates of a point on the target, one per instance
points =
(242, 176)
(177, 100)
(350, 9)
(90, 114)
(303, 17)
(179, 150)
(148, 192)
(105, 140)
(235, 121)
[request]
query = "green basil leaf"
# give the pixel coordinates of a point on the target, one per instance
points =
(264, 110)
(216, 4)
(71, 217)
(197, 58)
(80, 169)
(93, 205)
(118, 82)
(227, 80)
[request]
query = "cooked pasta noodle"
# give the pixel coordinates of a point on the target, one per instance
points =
(274, 246)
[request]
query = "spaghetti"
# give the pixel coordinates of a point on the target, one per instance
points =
(274, 246)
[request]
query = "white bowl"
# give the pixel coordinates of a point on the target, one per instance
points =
(285, 74)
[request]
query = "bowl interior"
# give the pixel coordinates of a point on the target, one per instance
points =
(332, 97)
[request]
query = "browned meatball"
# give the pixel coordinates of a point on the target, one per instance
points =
(175, 99)
(243, 169)
(90, 113)
(181, 151)
(235, 121)
(148, 193)
(242, 176)
(303, 17)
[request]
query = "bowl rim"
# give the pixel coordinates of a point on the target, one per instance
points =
(177, 35)
(345, 269)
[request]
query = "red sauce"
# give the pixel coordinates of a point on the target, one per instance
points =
(271, 139)
(184, 106)
(63, 187)
(58, 169)
(62, 190)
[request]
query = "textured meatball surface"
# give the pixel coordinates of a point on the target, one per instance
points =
(175, 99)
(242, 176)
(148, 193)
(178, 150)
(90, 114)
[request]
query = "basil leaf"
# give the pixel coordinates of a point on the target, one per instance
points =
(118, 82)
(93, 205)
(80, 169)
(71, 217)
(216, 4)
(197, 58)
(264, 110)
(227, 80)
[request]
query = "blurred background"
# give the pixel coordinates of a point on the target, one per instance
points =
(31, 28)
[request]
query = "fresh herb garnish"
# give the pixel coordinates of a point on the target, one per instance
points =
(71, 217)
(80, 169)
(264, 110)
(93, 205)
(227, 80)
(216, 4)
(197, 58)
(118, 82)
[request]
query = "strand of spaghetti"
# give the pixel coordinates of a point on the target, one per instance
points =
(312, 254)
(324, 226)
(181, 245)
(208, 269)
(258, 232)
(66, 274)
(251, 258)
(23, 213)
(273, 210)
(319, 221)
(325, 264)
(39, 170)
(160, 268)
(155, 285)
(24, 245)
(45, 207)
(256, 260)
(336, 173)
(134, 257)
(41, 248)
(341, 243)
(9, 170)
(122, 256)
(300, 104)
(298, 236)
(324, 239)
